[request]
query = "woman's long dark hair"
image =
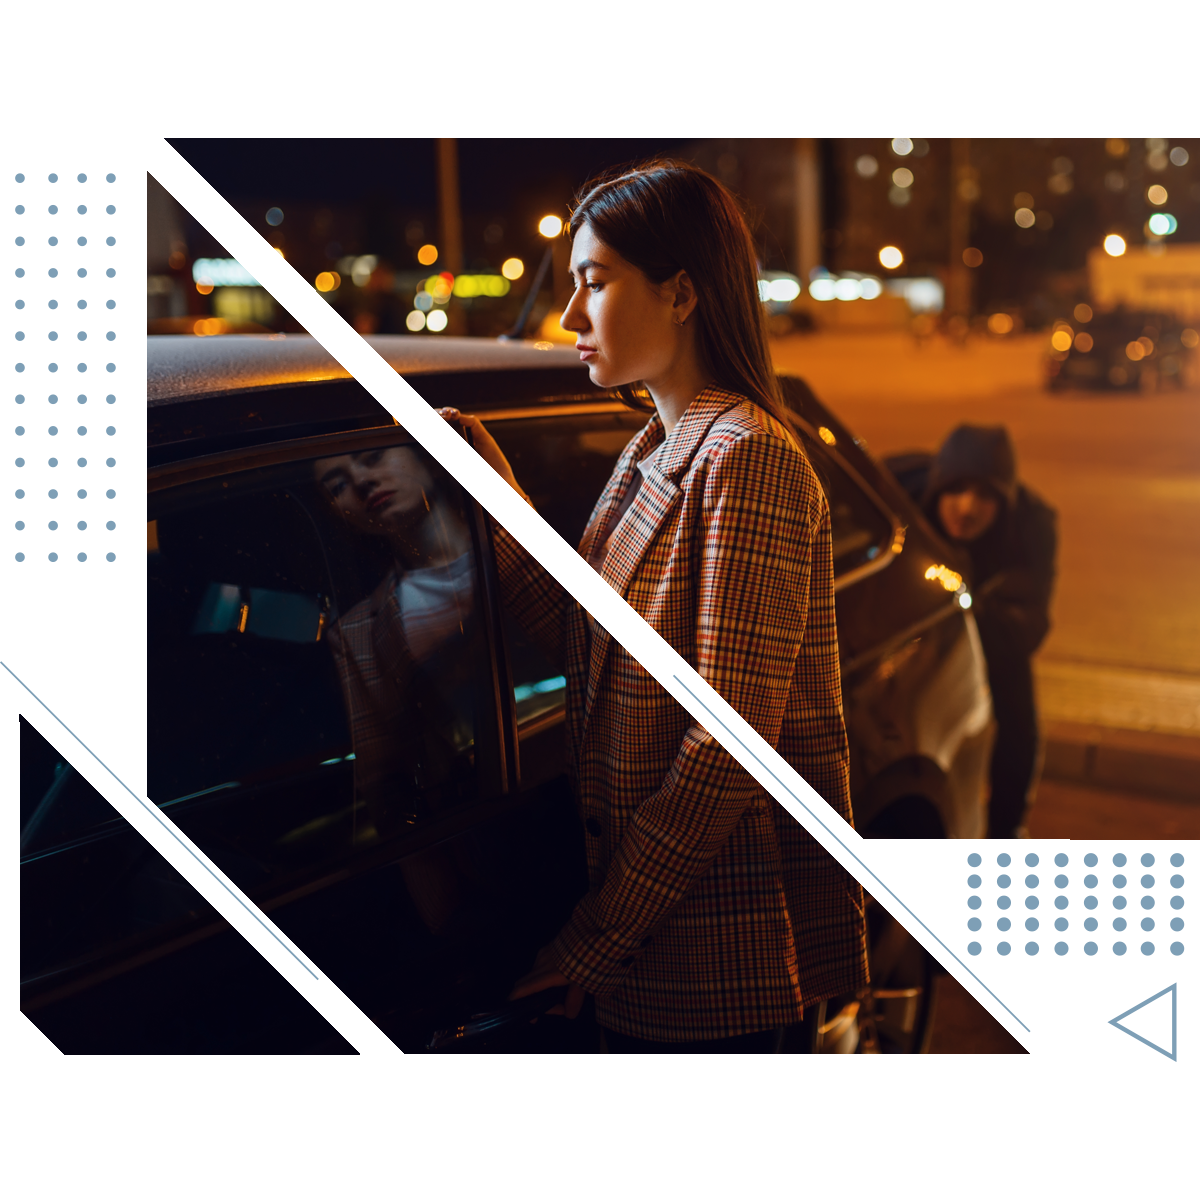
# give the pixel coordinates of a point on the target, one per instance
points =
(668, 216)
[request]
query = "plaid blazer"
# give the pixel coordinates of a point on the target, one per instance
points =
(711, 912)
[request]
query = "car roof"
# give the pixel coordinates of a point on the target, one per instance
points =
(186, 367)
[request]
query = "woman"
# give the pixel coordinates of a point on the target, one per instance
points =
(712, 918)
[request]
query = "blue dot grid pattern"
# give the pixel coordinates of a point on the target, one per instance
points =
(73, 366)
(1099, 902)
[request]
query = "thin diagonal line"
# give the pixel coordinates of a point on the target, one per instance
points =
(729, 733)
(150, 808)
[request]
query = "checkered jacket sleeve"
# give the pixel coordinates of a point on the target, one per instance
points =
(759, 513)
(532, 596)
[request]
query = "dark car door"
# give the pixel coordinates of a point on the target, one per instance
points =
(327, 724)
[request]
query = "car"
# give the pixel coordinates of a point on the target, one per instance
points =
(1121, 350)
(387, 781)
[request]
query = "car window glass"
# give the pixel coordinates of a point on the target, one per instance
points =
(861, 532)
(563, 463)
(320, 623)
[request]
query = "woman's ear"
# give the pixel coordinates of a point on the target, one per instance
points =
(683, 297)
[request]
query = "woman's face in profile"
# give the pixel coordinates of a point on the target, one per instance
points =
(624, 325)
(378, 489)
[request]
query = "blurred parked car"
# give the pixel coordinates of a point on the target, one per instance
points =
(1120, 351)
(389, 788)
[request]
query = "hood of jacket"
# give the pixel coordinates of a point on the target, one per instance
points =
(974, 454)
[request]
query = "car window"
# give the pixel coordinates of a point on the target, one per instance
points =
(317, 637)
(563, 463)
(861, 530)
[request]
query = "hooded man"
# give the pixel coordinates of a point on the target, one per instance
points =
(971, 495)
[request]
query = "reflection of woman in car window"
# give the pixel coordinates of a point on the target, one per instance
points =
(403, 652)
(712, 918)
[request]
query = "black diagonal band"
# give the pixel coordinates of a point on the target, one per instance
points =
(213, 885)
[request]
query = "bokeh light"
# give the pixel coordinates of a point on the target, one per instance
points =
(1025, 218)
(1135, 351)
(550, 226)
(902, 177)
(1179, 156)
(1023, 200)
(783, 291)
(437, 320)
(1190, 338)
(1083, 342)
(415, 321)
(204, 286)
(361, 268)
(1114, 245)
(867, 165)
(1083, 313)
(274, 216)
(1156, 194)
(427, 255)
(1061, 339)
(1162, 224)
(890, 256)
(513, 268)
(328, 281)
(902, 146)
(1000, 323)
(470, 286)
(972, 257)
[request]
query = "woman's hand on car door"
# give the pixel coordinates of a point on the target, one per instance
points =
(485, 445)
(545, 974)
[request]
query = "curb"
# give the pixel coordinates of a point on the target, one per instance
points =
(1126, 760)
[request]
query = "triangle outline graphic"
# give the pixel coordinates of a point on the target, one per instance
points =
(1116, 1021)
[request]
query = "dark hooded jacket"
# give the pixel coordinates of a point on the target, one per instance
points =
(1012, 563)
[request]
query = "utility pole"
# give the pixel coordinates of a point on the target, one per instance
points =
(808, 207)
(450, 250)
(964, 190)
